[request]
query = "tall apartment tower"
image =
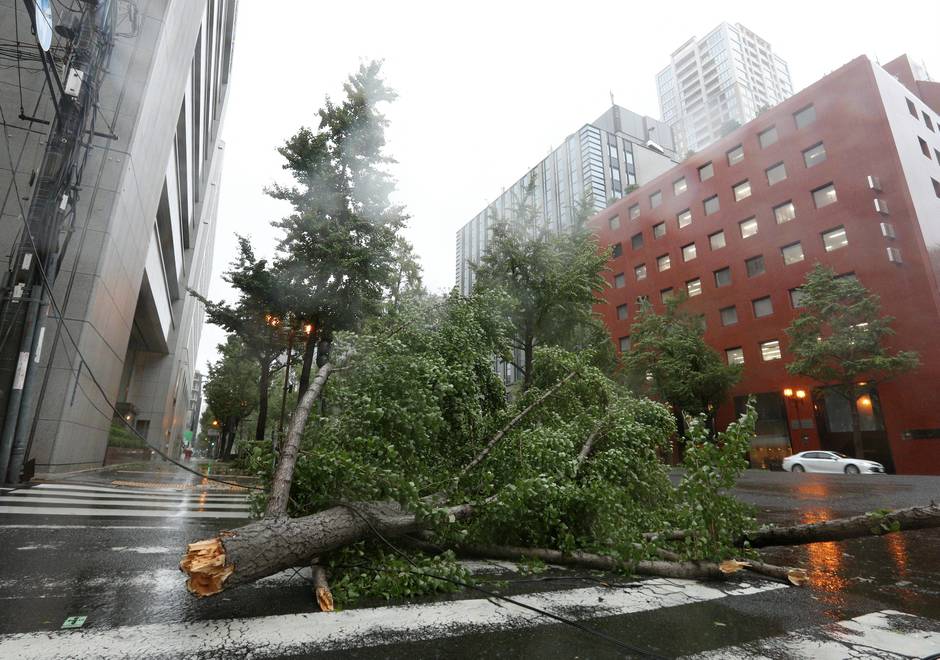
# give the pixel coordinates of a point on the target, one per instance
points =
(606, 159)
(133, 220)
(717, 82)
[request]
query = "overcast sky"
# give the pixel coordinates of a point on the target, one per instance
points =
(486, 89)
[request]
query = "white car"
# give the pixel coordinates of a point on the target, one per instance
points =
(830, 461)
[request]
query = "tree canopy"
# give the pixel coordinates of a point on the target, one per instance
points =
(669, 358)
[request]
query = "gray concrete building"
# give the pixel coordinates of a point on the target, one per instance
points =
(139, 223)
(604, 159)
(718, 82)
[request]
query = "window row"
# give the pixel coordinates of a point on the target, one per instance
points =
(792, 253)
(769, 351)
(801, 118)
(928, 122)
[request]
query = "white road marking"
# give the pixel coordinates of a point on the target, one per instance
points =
(39, 546)
(139, 491)
(880, 634)
(307, 633)
(144, 550)
(127, 527)
(123, 513)
(168, 504)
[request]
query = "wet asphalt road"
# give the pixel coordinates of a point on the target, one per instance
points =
(123, 572)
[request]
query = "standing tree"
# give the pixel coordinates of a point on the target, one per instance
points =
(550, 282)
(255, 318)
(837, 340)
(340, 243)
(668, 355)
(231, 390)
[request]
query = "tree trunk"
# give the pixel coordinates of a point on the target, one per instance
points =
(868, 524)
(280, 487)
(528, 348)
(309, 348)
(264, 384)
(271, 545)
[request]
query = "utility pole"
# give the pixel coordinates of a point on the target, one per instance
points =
(36, 258)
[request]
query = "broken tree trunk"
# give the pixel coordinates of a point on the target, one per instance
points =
(321, 588)
(284, 475)
(868, 524)
(270, 545)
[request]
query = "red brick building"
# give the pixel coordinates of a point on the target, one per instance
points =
(845, 173)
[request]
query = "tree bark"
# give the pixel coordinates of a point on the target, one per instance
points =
(309, 348)
(528, 348)
(270, 545)
(321, 588)
(280, 487)
(868, 524)
(263, 385)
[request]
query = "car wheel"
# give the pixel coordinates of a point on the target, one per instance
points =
(851, 469)
(797, 468)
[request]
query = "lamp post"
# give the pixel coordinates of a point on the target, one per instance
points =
(797, 396)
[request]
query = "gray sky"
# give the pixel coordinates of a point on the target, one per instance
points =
(486, 89)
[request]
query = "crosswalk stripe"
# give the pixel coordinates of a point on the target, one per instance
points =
(143, 513)
(311, 632)
(888, 633)
(112, 489)
(78, 500)
(183, 504)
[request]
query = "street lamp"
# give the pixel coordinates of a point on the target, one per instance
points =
(797, 396)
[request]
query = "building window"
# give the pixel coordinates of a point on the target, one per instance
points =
(617, 250)
(796, 298)
(640, 272)
(621, 312)
(768, 137)
(711, 205)
(887, 230)
(755, 266)
(776, 173)
(722, 277)
(684, 219)
(729, 315)
(636, 241)
(665, 294)
(815, 155)
(784, 212)
(894, 255)
(694, 287)
(688, 252)
(742, 191)
(706, 171)
(748, 227)
(928, 121)
(923, 147)
(936, 186)
(805, 117)
(663, 263)
(624, 344)
(659, 230)
(824, 196)
(614, 222)
(634, 211)
(736, 155)
(881, 206)
(619, 281)
(770, 350)
(762, 307)
(835, 239)
(679, 186)
(717, 240)
(792, 253)
(911, 108)
(656, 199)
(735, 355)
(874, 183)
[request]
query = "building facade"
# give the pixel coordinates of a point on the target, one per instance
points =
(143, 224)
(605, 158)
(722, 80)
(845, 173)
